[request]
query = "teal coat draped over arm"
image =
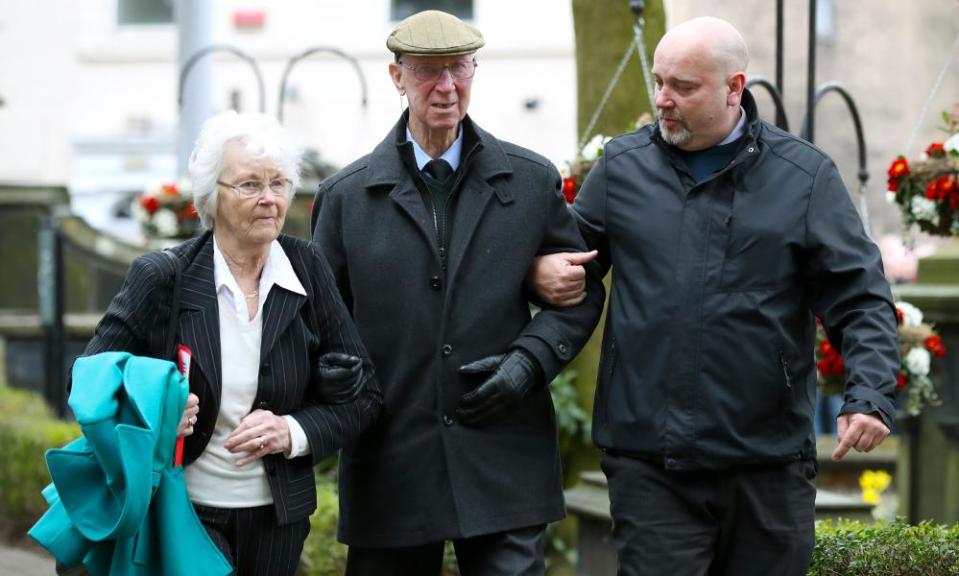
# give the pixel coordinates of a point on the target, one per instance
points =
(117, 503)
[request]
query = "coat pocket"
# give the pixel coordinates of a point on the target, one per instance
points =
(607, 366)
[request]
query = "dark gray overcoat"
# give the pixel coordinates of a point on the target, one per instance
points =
(418, 475)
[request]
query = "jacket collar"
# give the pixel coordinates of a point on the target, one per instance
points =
(199, 320)
(484, 154)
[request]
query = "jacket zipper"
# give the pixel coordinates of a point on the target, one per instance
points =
(785, 367)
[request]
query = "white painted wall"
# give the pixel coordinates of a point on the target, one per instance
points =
(71, 76)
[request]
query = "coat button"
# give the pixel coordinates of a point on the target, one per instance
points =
(563, 348)
(436, 283)
(263, 405)
(447, 421)
(670, 463)
(447, 350)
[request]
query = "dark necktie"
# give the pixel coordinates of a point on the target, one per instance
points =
(438, 170)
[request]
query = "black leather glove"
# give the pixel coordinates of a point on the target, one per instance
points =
(513, 375)
(339, 377)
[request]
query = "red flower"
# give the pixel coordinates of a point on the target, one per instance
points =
(150, 204)
(934, 345)
(932, 190)
(569, 189)
(823, 367)
(169, 189)
(949, 190)
(901, 380)
(838, 366)
(897, 170)
(936, 150)
(899, 316)
(188, 212)
(825, 348)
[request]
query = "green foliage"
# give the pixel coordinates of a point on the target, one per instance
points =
(572, 421)
(885, 549)
(322, 554)
(27, 429)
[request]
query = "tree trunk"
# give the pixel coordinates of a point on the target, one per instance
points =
(604, 31)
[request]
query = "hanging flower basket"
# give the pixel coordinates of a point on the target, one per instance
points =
(927, 190)
(166, 211)
(575, 172)
(918, 345)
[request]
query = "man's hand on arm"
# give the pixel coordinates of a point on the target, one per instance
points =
(559, 279)
(339, 377)
(860, 431)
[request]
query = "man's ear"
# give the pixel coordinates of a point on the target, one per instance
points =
(395, 73)
(735, 84)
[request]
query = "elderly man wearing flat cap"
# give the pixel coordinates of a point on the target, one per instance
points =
(429, 238)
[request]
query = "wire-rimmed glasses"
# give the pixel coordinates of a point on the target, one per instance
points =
(459, 70)
(253, 188)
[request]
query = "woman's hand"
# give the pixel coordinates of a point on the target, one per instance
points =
(260, 433)
(189, 416)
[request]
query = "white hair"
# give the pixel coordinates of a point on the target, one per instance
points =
(263, 137)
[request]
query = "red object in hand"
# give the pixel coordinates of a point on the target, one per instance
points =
(183, 356)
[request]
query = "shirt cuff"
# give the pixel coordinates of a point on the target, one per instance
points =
(299, 445)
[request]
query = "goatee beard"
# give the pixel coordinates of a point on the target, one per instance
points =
(676, 137)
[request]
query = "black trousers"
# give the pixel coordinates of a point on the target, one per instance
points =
(739, 522)
(512, 553)
(252, 541)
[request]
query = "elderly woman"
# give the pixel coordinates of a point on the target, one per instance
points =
(278, 377)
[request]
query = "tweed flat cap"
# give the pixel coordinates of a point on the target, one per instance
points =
(434, 33)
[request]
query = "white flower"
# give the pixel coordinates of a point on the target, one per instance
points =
(911, 316)
(166, 223)
(153, 188)
(890, 197)
(917, 361)
(952, 144)
(925, 209)
(594, 148)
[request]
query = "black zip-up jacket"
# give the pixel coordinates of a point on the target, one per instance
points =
(708, 353)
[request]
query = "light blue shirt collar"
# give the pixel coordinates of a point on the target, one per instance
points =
(738, 131)
(452, 154)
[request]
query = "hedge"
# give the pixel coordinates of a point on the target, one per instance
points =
(850, 548)
(27, 429)
(322, 554)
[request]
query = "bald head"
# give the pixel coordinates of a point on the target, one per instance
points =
(709, 37)
(699, 68)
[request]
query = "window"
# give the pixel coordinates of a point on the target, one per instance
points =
(400, 9)
(144, 12)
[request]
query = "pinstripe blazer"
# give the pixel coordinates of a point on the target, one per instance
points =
(296, 331)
